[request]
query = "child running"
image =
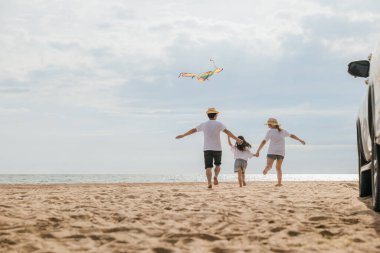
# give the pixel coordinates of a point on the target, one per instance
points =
(276, 150)
(241, 154)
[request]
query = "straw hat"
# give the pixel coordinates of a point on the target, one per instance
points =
(272, 121)
(211, 110)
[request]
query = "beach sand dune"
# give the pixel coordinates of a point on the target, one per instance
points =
(164, 218)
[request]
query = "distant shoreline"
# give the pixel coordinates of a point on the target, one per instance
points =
(7, 179)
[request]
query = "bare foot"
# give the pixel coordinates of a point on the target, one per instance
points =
(216, 182)
(278, 185)
(265, 171)
(244, 183)
(209, 186)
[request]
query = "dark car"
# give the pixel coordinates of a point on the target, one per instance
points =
(368, 127)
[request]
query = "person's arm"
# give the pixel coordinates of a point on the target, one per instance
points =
(251, 154)
(262, 144)
(229, 134)
(296, 138)
(194, 130)
(229, 141)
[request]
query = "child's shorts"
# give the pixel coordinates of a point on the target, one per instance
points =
(240, 164)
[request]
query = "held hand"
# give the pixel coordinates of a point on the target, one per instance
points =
(179, 136)
(257, 154)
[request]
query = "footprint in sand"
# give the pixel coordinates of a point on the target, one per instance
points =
(30, 248)
(318, 218)
(162, 250)
(350, 221)
(327, 233)
(358, 240)
(47, 236)
(6, 241)
(106, 238)
(181, 195)
(76, 237)
(220, 250)
(277, 229)
(293, 233)
(277, 250)
(123, 229)
(206, 237)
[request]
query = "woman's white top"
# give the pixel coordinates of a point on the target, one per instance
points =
(277, 141)
(238, 154)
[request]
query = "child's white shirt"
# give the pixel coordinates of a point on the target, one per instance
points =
(238, 154)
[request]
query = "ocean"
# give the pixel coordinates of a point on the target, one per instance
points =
(152, 178)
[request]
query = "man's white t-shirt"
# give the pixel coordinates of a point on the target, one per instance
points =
(238, 154)
(277, 141)
(211, 130)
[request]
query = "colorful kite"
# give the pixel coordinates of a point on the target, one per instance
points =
(202, 77)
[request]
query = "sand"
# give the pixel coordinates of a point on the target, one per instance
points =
(163, 218)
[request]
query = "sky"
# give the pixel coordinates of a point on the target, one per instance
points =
(92, 87)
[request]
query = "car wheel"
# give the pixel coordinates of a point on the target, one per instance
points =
(375, 178)
(364, 176)
(375, 153)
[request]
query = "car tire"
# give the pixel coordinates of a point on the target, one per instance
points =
(364, 176)
(375, 178)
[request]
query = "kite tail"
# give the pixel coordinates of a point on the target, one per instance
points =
(184, 74)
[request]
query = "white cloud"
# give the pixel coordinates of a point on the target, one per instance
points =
(13, 110)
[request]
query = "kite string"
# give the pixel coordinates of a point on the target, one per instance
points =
(213, 63)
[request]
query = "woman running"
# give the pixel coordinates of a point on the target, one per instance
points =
(276, 150)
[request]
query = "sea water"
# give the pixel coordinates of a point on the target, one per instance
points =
(152, 178)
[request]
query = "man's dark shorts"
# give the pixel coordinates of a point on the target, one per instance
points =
(211, 157)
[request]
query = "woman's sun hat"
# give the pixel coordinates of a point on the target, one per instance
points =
(212, 110)
(272, 121)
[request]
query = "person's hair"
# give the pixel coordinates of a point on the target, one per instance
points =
(211, 115)
(277, 127)
(244, 145)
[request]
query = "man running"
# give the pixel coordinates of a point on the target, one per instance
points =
(212, 145)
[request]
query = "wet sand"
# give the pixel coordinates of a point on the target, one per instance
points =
(164, 218)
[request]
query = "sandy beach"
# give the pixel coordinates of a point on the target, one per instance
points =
(163, 218)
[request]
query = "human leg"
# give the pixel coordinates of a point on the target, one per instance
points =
(209, 175)
(279, 172)
(217, 155)
(240, 177)
(269, 165)
(243, 177)
(208, 159)
(216, 173)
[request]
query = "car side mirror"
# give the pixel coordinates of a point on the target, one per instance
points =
(359, 68)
